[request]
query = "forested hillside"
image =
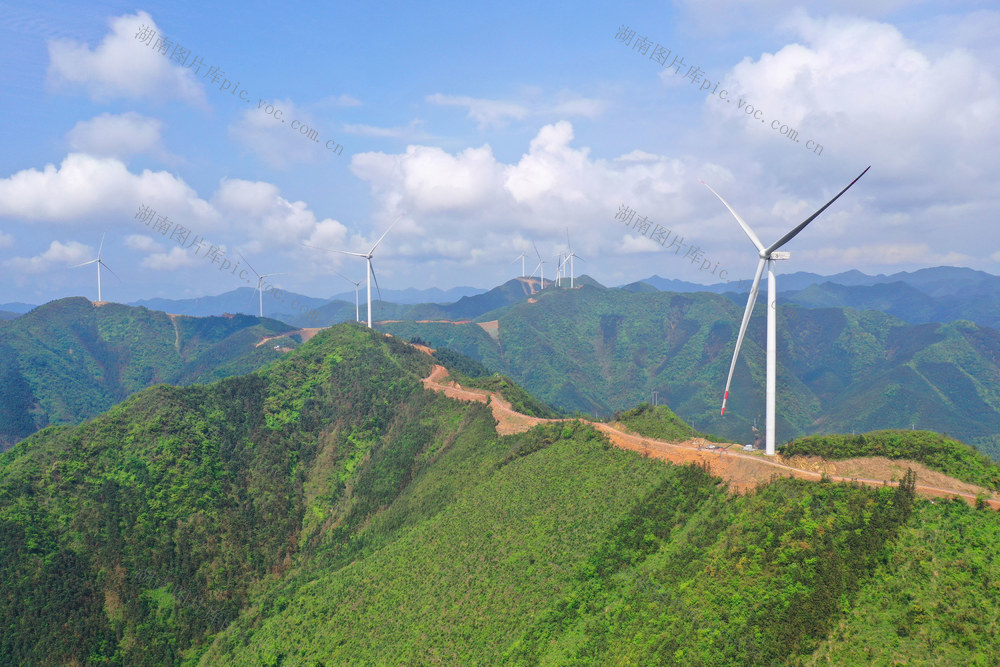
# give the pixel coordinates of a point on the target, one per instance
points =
(600, 351)
(69, 360)
(328, 509)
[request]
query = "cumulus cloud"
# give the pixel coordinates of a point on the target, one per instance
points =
(271, 138)
(121, 66)
(168, 261)
(486, 113)
(142, 243)
(56, 254)
(85, 187)
(117, 135)
(858, 87)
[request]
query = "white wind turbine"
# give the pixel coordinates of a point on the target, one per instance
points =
(260, 282)
(370, 273)
(541, 265)
(100, 263)
(570, 258)
(357, 288)
(521, 257)
(768, 255)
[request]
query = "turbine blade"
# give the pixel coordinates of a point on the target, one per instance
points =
(248, 264)
(790, 235)
(376, 280)
(568, 244)
(101, 247)
(268, 275)
(536, 251)
(743, 223)
(743, 327)
(580, 258)
(383, 235)
(342, 252)
(109, 269)
(84, 264)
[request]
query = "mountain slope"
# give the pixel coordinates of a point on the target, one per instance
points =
(69, 360)
(328, 509)
(600, 351)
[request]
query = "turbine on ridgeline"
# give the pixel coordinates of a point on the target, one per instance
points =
(768, 255)
(100, 263)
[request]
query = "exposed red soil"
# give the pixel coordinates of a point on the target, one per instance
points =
(741, 470)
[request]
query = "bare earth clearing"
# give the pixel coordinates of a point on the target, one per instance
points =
(742, 470)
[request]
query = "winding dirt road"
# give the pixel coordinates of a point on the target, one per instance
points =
(742, 471)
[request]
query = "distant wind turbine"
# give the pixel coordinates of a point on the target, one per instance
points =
(370, 273)
(521, 257)
(768, 255)
(357, 288)
(541, 265)
(100, 263)
(260, 281)
(571, 257)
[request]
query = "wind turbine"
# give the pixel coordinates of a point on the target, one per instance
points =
(260, 281)
(570, 257)
(357, 287)
(100, 263)
(521, 257)
(370, 273)
(768, 255)
(541, 265)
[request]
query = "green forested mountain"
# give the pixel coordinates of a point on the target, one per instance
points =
(329, 510)
(600, 351)
(69, 360)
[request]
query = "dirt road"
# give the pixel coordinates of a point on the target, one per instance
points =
(742, 471)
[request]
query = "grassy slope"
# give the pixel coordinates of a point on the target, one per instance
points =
(68, 361)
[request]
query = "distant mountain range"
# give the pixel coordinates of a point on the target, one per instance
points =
(839, 369)
(69, 360)
(939, 294)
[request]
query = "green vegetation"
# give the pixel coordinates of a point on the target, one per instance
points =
(659, 421)
(68, 360)
(327, 509)
(934, 450)
(598, 351)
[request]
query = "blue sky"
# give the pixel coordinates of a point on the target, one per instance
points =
(481, 128)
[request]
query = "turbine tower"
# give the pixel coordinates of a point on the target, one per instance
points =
(370, 273)
(768, 255)
(100, 263)
(571, 257)
(521, 257)
(357, 288)
(260, 281)
(541, 265)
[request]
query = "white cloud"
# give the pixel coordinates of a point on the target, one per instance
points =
(889, 254)
(117, 135)
(121, 66)
(6, 240)
(175, 259)
(860, 88)
(57, 253)
(273, 140)
(85, 187)
(142, 243)
(487, 113)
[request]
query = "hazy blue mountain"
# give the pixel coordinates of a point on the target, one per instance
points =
(17, 307)
(413, 296)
